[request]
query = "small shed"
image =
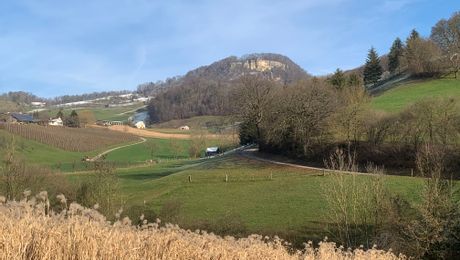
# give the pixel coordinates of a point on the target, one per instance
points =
(140, 125)
(211, 151)
(184, 127)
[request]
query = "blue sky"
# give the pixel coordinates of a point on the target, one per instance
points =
(59, 47)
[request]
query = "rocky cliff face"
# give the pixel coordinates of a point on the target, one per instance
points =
(261, 65)
(272, 66)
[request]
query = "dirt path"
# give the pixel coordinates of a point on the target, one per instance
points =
(155, 134)
(143, 140)
(148, 133)
(130, 111)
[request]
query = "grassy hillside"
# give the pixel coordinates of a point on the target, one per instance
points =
(266, 198)
(70, 139)
(103, 113)
(397, 99)
(33, 152)
(209, 123)
(153, 148)
(38, 153)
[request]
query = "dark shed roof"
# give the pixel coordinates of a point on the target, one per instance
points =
(23, 117)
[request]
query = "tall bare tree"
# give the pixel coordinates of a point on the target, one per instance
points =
(255, 95)
(446, 34)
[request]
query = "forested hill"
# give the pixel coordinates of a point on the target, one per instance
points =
(271, 66)
(207, 90)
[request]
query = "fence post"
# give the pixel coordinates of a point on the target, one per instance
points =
(226, 177)
(412, 172)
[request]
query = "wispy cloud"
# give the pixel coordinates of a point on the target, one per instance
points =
(396, 5)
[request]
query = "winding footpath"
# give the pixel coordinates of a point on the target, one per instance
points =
(95, 158)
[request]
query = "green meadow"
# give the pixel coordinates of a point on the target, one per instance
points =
(398, 98)
(265, 198)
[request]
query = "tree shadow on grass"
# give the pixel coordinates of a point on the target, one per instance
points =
(156, 172)
(149, 175)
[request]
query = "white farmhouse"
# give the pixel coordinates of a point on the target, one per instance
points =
(56, 122)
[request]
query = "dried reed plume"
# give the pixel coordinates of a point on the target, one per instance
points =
(30, 231)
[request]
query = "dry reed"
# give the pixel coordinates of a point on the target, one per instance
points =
(28, 230)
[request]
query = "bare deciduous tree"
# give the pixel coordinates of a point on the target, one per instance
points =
(254, 98)
(434, 232)
(356, 205)
(446, 34)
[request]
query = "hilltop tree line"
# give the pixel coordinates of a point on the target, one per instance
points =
(421, 57)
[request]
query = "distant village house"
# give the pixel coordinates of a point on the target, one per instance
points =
(109, 122)
(38, 104)
(140, 125)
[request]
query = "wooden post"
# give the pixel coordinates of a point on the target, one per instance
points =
(190, 178)
(226, 177)
(412, 172)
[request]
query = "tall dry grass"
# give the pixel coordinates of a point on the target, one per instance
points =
(29, 230)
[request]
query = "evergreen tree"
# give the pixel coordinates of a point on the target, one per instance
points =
(73, 120)
(411, 41)
(338, 79)
(60, 114)
(394, 57)
(372, 70)
(35, 115)
(413, 36)
(354, 80)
